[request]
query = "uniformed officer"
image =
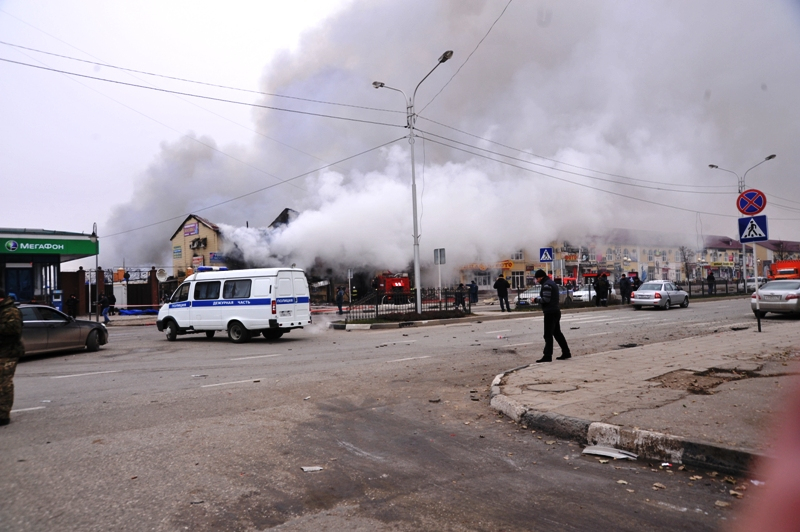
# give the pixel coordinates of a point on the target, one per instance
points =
(11, 349)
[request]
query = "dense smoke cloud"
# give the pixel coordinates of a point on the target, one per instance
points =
(653, 91)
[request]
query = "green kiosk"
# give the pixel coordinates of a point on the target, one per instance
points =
(30, 261)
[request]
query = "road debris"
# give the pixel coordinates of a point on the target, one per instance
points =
(311, 469)
(737, 494)
(437, 400)
(659, 486)
(722, 504)
(624, 482)
(610, 452)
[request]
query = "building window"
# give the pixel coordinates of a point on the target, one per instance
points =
(649, 255)
(518, 255)
(517, 280)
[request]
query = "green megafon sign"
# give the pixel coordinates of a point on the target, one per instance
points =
(47, 246)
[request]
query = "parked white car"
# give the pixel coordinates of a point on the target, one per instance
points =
(587, 293)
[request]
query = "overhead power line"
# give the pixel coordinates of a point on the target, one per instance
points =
(563, 163)
(240, 196)
(571, 172)
(579, 184)
(212, 98)
(204, 83)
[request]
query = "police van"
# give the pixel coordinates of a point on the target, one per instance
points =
(245, 303)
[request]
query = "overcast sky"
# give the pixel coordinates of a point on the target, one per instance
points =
(553, 119)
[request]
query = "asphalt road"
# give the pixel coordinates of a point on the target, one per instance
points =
(203, 434)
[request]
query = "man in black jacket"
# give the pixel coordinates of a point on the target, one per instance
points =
(502, 286)
(548, 300)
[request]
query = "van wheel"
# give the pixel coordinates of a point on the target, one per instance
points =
(271, 334)
(92, 341)
(210, 334)
(171, 330)
(238, 333)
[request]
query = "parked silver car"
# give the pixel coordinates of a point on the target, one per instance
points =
(46, 330)
(659, 294)
(781, 296)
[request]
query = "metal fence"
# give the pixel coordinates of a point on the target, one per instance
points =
(380, 304)
(720, 288)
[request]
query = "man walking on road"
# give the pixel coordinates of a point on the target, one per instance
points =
(548, 300)
(502, 286)
(11, 349)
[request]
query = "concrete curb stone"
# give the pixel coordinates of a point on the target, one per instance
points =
(647, 444)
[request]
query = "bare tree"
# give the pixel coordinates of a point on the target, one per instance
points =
(781, 252)
(687, 257)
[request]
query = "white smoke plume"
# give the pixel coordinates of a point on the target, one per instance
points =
(648, 90)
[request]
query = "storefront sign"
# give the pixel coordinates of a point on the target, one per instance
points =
(216, 257)
(177, 252)
(197, 261)
(47, 246)
(191, 229)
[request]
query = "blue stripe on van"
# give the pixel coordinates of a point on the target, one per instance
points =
(230, 302)
(291, 300)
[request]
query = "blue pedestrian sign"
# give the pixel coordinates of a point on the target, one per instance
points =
(545, 254)
(753, 229)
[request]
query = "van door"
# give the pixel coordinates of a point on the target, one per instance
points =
(302, 309)
(206, 312)
(179, 305)
(284, 298)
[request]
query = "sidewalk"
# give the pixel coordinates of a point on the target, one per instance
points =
(118, 320)
(703, 401)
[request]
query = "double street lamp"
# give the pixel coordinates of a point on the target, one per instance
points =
(410, 120)
(741, 183)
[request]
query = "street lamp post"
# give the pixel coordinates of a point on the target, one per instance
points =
(410, 120)
(95, 241)
(741, 183)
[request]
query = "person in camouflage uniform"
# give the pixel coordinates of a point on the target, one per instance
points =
(11, 349)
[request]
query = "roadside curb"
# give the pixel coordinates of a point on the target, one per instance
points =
(646, 444)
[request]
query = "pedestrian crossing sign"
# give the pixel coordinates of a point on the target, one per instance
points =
(545, 254)
(753, 229)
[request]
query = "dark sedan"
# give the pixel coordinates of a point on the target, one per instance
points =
(46, 330)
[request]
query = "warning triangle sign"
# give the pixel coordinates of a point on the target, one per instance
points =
(752, 230)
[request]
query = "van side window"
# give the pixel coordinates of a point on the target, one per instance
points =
(235, 289)
(181, 294)
(208, 290)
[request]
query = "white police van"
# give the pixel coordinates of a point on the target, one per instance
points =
(268, 301)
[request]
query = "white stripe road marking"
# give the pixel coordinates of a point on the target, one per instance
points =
(83, 374)
(226, 383)
(404, 359)
(27, 409)
(257, 356)
(495, 332)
